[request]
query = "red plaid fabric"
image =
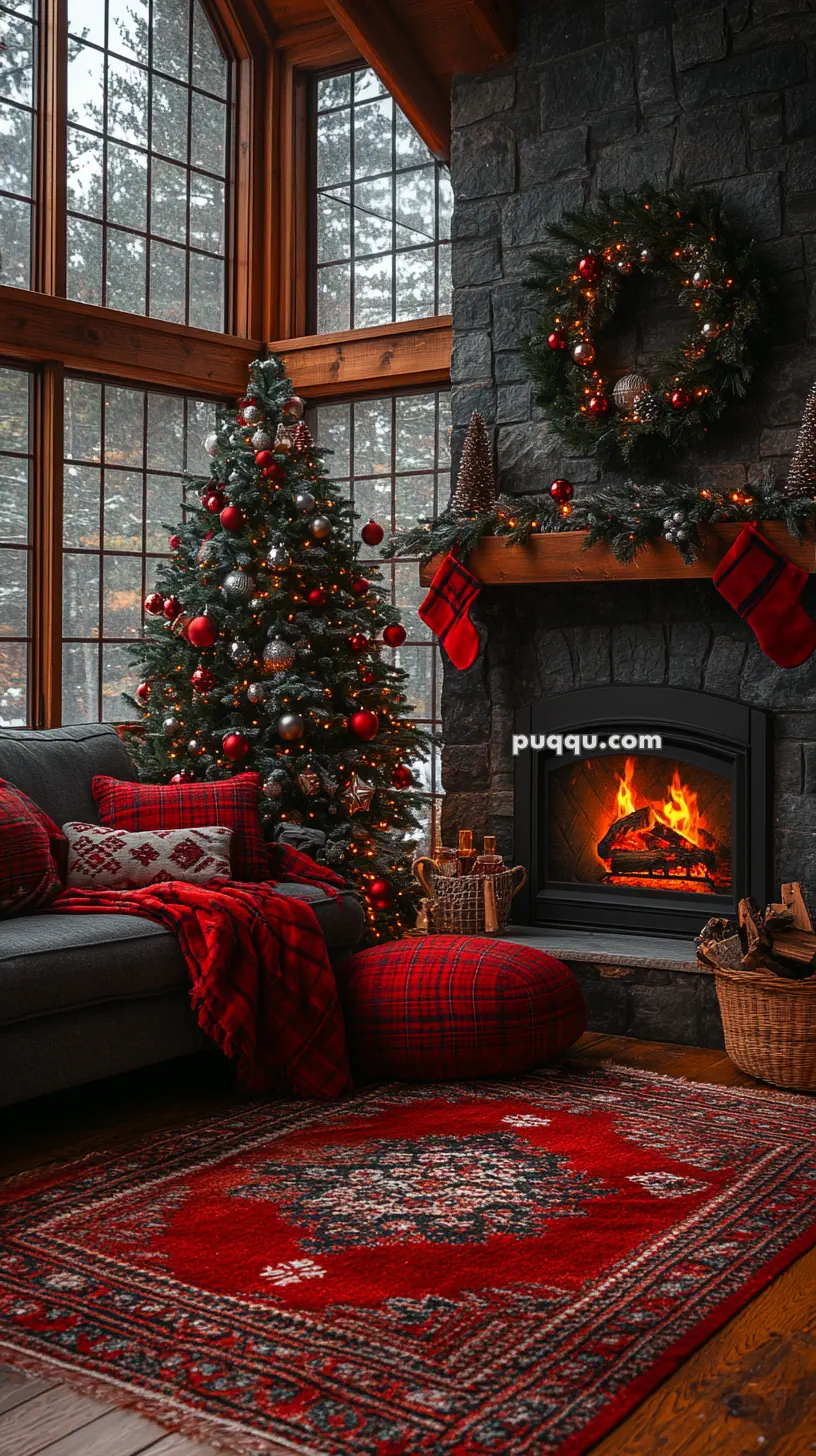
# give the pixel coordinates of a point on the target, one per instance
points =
(29, 877)
(446, 610)
(450, 1007)
(261, 980)
(232, 803)
(57, 839)
(764, 588)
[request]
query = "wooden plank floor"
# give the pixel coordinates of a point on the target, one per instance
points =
(750, 1388)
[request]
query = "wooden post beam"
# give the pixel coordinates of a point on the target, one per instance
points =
(496, 24)
(377, 34)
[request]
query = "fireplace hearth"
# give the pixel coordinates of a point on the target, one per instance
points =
(653, 841)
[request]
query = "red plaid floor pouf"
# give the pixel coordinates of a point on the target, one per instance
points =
(453, 1006)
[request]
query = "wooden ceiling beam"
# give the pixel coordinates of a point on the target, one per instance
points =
(496, 24)
(389, 49)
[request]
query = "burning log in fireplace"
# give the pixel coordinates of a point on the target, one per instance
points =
(665, 842)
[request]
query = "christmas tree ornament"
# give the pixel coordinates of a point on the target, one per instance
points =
(394, 634)
(256, 692)
(562, 491)
(195, 747)
(320, 527)
(182, 777)
(557, 340)
(283, 440)
(401, 776)
(303, 647)
(142, 693)
(357, 795)
(599, 406)
(475, 491)
(372, 533)
(294, 407)
(381, 893)
(272, 787)
(302, 443)
(624, 266)
(802, 474)
(316, 596)
(154, 603)
(235, 747)
(170, 727)
(206, 553)
(701, 278)
(171, 607)
(239, 584)
(290, 727)
(256, 604)
(590, 268)
(264, 459)
(278, 557)
(364, 724)
(304, 502)
(308, 783)
(211, 443)
(203, 631)
(645, 255)
(274, 472)
(710, 330)
(278, 656)
(213, 501)
(357, 642)
(628, 390)
(240, 652)
(181, 625)
(232, 518)
(202, 679)
(584, 353)
(359, 586)
(252, 414)
(174, 543)
(680, 399)
(367, 675)
(261, 441)
(646, 408)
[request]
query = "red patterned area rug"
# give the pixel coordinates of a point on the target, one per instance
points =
(492, 1267)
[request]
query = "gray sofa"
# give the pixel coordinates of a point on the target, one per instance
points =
(83, 997)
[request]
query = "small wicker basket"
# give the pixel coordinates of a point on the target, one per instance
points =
(770, 1026)
(468, 904)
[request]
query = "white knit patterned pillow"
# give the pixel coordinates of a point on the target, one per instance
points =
(111, 859)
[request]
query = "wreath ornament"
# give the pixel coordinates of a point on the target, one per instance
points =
(680, 238)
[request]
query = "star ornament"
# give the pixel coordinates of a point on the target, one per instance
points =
(357, 795)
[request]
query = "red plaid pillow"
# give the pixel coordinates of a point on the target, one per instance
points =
(29, 878)
(230, 802)
(450, 1006)
(57, 839)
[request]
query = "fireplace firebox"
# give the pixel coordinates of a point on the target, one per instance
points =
(648, 838)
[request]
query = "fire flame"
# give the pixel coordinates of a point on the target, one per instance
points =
(679, 812)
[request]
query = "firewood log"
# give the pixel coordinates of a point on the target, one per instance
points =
(752, 925)
(638, 819)
(727, 954)
(793, 900)
(794, 945)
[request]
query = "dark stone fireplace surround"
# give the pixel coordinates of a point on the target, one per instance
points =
(605, 96)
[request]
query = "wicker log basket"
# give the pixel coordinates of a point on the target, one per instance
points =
(466, 904)
(770, 1026)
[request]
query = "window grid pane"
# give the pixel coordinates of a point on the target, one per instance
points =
(148, 190)
(18, 89)
(382, 210)
(392, 456)
(15, 546)
(126, 455)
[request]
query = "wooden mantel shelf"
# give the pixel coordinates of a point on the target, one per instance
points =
(561, 557)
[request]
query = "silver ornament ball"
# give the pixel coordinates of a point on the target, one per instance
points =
(240, 652)
(278, 558)
(211, 444)
(304, 502)
(320, 527)
(170, 727)
(256, 692)
(272, 789)
(628, 390)
(278, 656)
(196, 747)
(290, 727)
(239, 584)
(260, 440)
(251, 414)
(679, 517)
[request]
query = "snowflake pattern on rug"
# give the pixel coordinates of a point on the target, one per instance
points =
(443, 1190)
(666, 1185)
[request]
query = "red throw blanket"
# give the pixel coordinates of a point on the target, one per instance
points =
(262, 983)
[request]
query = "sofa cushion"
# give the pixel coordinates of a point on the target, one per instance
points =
(55, 766)
(29, 877)
(231, 802)
(112, 859)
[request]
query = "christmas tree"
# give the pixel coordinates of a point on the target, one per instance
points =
(475, 491)
(802, 474)
(266, 648)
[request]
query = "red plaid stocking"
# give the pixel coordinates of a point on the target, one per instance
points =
(764, 587)
(446, 610)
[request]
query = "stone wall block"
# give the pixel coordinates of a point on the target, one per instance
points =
(632, 164)
(472, 357)
(770, 69)
(711, 144)
(551, 156)
(483, 160)
(580, 85)
(655, 74)
(475, 98)
(689, 644)
(701, 38)
(724, 666)
(527, 215)
(475, 263)
(592, 654)
(639, 653)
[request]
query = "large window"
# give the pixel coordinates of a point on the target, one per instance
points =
(383, 210)
(148, 109)
(15, 545)
(392, 455)
(126, 453)
(18, 39)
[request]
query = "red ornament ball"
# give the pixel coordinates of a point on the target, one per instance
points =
(562, 491)
(202, 631)
(142, 694)
(557, 339)
(171, 608)
(394, 635)
(358, 642)
(359, 586)
(174, 543)
(274, 471)
(154, 603)
(401, 776)
(232, 518)
(599, 406)
(183, 777)
(264, 459)
(317, 596)
(235, 747)
(213, 501)
(202, 679)
(381, 893)
(364, 724)
(680, 399)
(367, 675)
(372, 533)
(589, 268)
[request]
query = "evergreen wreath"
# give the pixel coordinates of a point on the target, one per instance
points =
(682, 238)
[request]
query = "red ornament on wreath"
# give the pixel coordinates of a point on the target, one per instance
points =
(202, 679)
(359, 586)
(174, 543)
(142, 693)
(680, 399)
(394, 635)
(557, 339)
(317, 596)
(381, 893)
(590, 268)
(154, 603)
(401, 776)
(235, 747)
(171, 608)
(358, 642)
(562, 491)
(372, 533)
(232, 518)
(599, 406)
(364, 724)
(202, 631)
